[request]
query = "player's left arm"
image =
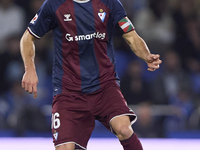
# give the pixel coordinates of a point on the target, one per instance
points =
(139, 47)
(136, 43)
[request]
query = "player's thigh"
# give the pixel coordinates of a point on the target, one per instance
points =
(113, 106)
(72, 122)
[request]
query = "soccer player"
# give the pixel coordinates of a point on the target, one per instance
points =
(85, 83)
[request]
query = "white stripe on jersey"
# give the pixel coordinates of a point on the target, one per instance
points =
(33, 33)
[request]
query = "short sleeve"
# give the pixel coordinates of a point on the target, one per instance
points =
(42, 22)
(117, 11)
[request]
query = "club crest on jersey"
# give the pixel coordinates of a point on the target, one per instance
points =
(55, 135)
(34, 19)
(102, 15)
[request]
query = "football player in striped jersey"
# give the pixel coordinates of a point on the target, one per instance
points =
(85, 82)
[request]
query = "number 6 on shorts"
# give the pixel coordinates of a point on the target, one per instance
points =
(55, 121)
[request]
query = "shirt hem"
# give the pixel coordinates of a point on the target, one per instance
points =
(33, 34)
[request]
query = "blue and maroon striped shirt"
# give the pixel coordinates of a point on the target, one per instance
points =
(82, 30)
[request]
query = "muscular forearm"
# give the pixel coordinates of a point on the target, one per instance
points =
(27, 49)
(137, 45)
(140, 49)
(30, 79)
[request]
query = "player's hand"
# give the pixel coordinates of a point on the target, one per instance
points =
(30, 81)
(153, 61)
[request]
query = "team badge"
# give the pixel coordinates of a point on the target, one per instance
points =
(34, 19)
(126, 25)
(102, 15)
(55, 135)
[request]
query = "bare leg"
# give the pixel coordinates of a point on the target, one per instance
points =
(122, 127)
(68, 146)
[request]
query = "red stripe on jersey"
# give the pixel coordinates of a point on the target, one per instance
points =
(70, 50)
(106, 67)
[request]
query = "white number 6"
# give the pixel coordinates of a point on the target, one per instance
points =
(55, 120)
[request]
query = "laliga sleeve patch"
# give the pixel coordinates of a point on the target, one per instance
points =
(126, 25)
(34, 19)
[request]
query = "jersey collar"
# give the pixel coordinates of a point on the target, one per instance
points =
(85, 1)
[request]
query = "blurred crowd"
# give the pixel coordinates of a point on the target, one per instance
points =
(170, 28)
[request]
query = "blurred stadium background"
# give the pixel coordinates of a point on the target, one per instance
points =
(166, 101)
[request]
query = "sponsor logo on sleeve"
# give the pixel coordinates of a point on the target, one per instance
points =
(34, 19)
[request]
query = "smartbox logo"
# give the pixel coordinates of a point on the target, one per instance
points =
(96, 35)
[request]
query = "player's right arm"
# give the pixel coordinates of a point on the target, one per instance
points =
(27, 49)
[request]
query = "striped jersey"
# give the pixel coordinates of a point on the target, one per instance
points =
(82, 30)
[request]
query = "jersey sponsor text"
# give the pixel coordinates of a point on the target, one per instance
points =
(96, 35)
